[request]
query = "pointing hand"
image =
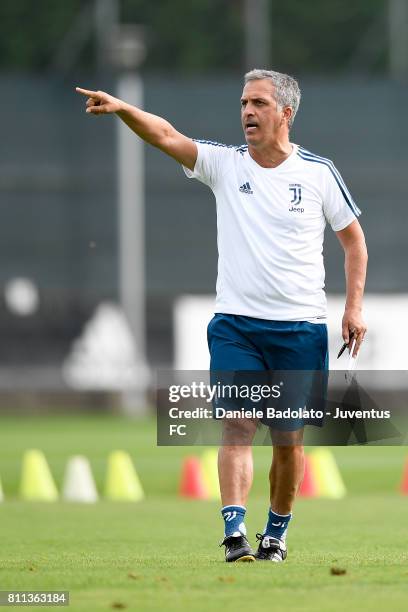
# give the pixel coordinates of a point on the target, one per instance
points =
(99, 102)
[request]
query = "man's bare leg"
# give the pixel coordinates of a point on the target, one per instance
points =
(235, 463)
(285, 477)
(235, 470)
(287, 469)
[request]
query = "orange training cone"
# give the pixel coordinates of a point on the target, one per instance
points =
(308, 488)
(404, 482)
(192, 482)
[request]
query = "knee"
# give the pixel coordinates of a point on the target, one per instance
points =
(284, 454)
(238, 432)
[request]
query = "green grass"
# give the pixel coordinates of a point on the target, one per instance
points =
(127, 555)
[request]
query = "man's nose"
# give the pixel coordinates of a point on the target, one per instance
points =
(248, 112)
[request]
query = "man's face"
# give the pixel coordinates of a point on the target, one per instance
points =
(261, 117)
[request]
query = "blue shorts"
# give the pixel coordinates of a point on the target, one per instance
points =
(248, 350)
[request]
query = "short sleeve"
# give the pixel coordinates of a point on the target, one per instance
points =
(211, 164)
(339, 207)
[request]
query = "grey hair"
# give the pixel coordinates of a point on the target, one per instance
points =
(287, 91)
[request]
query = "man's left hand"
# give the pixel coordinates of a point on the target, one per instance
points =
(353, 322)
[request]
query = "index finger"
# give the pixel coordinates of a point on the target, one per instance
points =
(359, 340)
(86, 92)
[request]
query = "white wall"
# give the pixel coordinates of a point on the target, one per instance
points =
(385, 346)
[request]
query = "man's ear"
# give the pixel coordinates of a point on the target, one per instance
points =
(287, 114)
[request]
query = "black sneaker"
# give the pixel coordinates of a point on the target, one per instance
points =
(270, 549)
(237, 548)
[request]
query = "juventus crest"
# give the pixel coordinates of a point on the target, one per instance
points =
(296, 192)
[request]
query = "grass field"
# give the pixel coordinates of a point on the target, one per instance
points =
(162, 553)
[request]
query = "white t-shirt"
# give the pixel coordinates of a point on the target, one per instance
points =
(270, 225)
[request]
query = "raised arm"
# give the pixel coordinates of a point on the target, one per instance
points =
(353, 242)
(152, 129)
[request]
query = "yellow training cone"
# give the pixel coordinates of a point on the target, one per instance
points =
(37, 483)
(329, 481)
(122, 481)
(209, 464)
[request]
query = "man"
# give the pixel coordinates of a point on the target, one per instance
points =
(273, 200)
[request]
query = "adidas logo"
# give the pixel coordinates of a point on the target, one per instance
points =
(246, 188)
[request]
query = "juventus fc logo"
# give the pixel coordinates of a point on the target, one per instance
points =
(296, 191)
